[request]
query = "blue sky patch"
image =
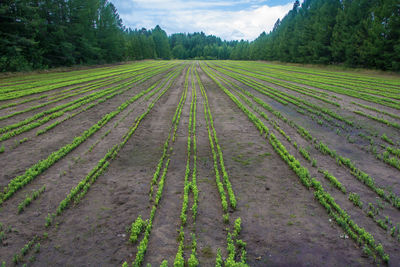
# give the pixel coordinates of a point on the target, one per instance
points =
(230, 19)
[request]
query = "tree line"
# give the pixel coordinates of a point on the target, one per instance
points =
(356, 33)
(48, 33)
(38, 34)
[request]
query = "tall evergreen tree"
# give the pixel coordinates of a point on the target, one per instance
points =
(161, 43)
(354, 32)
(19, 22)
(49, 33)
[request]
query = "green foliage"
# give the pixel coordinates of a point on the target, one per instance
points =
(37, 248)
(175, 122)
(314, 162)
(324, 32)
(28, 200)
(31, 173)
(201, 46)
(334, 181)
(49, 219)
(234, 250)
(357, 233)
(226, 218)
(212, 136)
(237, 227)
(305, 154)
(381, 120)
(179, 260)
(162, 48)
(382, 224)
(137, 227)
(2, 236)
(387, 139)
(218, 261)
(193, 261)
(91, 32)
(16, 258)
(25, 250)
(355, 198)
(393, 231)
(393, 151)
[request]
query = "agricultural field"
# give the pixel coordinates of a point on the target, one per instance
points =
(200, 163)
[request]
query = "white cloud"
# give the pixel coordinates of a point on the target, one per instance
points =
(230, 20)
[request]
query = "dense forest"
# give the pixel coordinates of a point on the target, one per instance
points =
(38, 34)
(357, 33)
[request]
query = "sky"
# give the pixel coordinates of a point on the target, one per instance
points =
(228, 19)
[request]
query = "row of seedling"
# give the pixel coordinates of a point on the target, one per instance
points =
(78, 192)
(341, 161)
(307, 80)
(325, 199)
(55, 112)
(31, 173)
(236, 248)
(158, 181)
(189, 186)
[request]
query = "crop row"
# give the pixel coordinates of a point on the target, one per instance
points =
(333, 180)
(381, 120)
(314, 82)
(160, 180)
(286, 98)
(51, 126)
(215, 148)
(28, 200)
(84, 89)
(377, 110)
(57, 96)
(232, 239)
(189, 186)
(23, 82)
(31, 173)
(58, 111)
(314, 110)
(371, 90)
(323, 148)
(67, 80)
(319, 95)
(327, 175)
(191, 136)
(297, 101)
(62, 94)
(380, 83)
(78, 192)
(236, 248)
(357, 233)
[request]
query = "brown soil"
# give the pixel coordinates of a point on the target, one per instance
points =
(282, 223)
